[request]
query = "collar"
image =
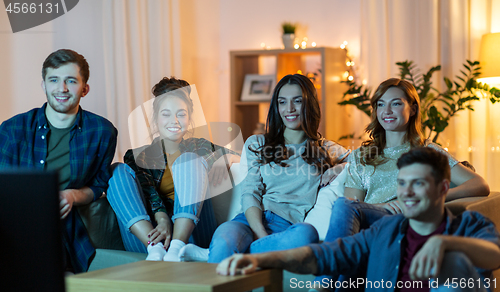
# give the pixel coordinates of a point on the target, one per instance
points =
(403, 226)
(42, 121)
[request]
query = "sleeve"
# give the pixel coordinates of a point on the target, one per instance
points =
(353, 178)
(206, 149)
(337, 151)
(451, 160)
(475, 225)
(146, 179)
(253, 185)
(345, 255)
(99, 184)
(6, 151)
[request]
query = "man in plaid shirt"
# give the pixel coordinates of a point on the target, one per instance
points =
(60, 136)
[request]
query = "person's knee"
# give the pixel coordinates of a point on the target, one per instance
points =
(305, 233)
(121, 169)
(455, 264)
(189, 160)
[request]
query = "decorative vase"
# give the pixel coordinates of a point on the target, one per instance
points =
(288, 40)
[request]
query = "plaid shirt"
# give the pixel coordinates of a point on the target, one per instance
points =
(150, 163)
(23, 143)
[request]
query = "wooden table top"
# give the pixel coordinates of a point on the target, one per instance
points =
(169, 276)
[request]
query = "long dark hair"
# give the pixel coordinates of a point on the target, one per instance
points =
(372, 149)
(274, 149)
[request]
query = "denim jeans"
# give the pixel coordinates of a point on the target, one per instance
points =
(236, 236)
(348, 218)
(455, 268)
(189, 174)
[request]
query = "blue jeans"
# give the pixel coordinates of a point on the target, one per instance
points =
(236, 236)
(189, 173)
(457, 265)
(348, 218)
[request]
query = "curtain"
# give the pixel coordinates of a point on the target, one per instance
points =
(141, 45)
(432, 32)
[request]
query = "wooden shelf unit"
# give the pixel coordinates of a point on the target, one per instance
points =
(331, 62)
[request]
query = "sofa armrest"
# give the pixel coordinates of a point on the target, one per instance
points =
(488, 206)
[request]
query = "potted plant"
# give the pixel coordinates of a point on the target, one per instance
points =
(288, 34)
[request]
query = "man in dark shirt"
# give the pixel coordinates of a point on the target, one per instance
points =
(424, 248)
(61, 136)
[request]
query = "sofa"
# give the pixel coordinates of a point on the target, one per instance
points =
(101, 223)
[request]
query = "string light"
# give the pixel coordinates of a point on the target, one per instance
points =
(296, 46)
(263, 45)
(313, 44)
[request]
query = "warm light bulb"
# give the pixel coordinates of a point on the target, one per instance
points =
(262, 45)
(299, 71)
(350, 78)
(346, 74)
(348, 63)
(268, 47)
(296, 46)
(313, 44)
(342, 46)
(345, 43)
(352, 63)
(304, 44)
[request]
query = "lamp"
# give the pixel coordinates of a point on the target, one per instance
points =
(489, 58)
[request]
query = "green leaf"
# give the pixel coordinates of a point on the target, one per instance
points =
(448, 82)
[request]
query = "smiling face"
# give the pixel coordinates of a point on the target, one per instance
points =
(173, 118)
(290, 106)
(421, 198)
(394, 111)
(64, 88)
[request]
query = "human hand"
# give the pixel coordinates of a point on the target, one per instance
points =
(219, 171)
(162, 231)
(427, 262)
(237, 264)
(66, 201)
(330, 174)
(393, 207)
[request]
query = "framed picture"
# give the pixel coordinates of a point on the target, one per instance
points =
(258, 87)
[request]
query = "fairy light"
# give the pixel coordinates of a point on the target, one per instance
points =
(299, 71)
(263, 45)
(304, 45)
(350, 78)
(313, 44)
(296, 46)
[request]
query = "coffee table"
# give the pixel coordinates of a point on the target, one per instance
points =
(167, 276)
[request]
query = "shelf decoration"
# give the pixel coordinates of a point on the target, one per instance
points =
(288, 34)
(258, 87)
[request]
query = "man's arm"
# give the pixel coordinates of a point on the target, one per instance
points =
(299, 260)
(74, 197)
(427, 262)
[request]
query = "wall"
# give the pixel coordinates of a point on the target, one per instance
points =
(247, 24)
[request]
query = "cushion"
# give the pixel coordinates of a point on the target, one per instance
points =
(101, 224)
(319, 216)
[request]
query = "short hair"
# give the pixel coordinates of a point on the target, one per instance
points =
(63, 57)
(428, 156)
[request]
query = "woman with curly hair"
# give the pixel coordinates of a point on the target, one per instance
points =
(160, 194)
